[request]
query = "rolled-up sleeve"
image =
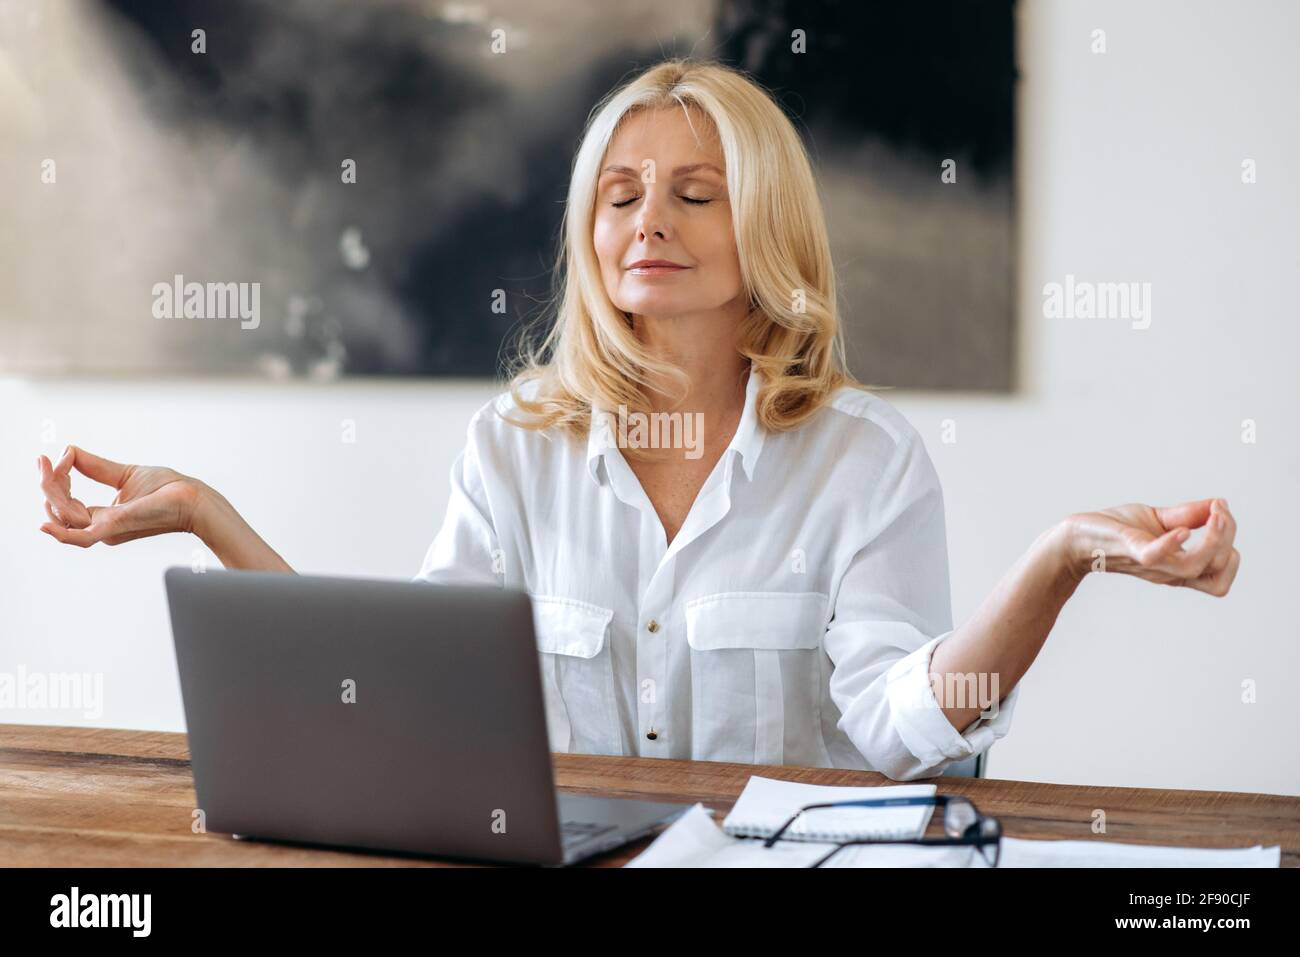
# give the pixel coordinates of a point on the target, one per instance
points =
(892, 609)
(466, 550)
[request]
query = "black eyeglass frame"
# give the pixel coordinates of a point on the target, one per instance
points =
(982, 832)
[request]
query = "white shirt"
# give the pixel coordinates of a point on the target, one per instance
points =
(791, 621)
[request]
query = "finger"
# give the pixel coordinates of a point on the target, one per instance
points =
(65, 463)
(1189, 514)
(54, 486)
(55, 483)
(71, 514)
(82, 537)
(1218, 583)
(107, 523)
(1159, 550)
(1193, 564)
(100, 469)
(1223, 551)
(1221, 509)
(68, 511)
(52, 514)
(49, 481)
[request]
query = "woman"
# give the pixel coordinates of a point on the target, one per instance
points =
(772, 587)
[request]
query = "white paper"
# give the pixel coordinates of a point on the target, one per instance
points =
(1017, 852)
(694, 840)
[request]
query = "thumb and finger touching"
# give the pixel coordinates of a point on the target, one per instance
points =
(71, 521)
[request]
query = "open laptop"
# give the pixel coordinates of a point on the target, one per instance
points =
(384, 715)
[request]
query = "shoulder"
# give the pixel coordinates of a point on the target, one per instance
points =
(865, 439)
(496, 427)
(494, 415)
(858, 417)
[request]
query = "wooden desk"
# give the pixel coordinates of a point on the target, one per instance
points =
(107, 798)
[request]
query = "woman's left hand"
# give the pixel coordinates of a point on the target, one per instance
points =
(1147, 542)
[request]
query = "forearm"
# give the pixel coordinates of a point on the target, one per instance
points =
(1003, 637)
(231, 538)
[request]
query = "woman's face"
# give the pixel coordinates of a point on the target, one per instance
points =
(663, 196)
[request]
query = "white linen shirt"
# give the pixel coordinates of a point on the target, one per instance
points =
(791, 620)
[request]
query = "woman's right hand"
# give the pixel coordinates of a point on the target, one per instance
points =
(150, 500)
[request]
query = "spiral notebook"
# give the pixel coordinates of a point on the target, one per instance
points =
(767, 803)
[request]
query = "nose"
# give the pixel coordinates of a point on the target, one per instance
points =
(652, 220)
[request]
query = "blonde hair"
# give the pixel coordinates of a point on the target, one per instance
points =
(792, 331)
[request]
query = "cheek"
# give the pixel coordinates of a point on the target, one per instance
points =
(604, 237)
(718, 243)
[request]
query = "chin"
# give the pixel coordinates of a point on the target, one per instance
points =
(645, 305)
(659, 305)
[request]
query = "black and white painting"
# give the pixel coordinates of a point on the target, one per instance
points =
(376, 189)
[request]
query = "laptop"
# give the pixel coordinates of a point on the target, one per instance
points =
(379, 715)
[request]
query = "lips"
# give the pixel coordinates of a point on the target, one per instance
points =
(655, 267)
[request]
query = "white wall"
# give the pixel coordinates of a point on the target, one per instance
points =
(1129, 171)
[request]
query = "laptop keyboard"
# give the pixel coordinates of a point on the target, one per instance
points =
(572, 832)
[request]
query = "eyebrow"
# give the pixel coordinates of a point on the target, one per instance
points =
(679, 171)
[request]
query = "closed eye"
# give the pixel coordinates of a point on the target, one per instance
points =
(689, 199)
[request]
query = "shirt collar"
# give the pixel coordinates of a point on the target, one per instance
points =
(602, 435)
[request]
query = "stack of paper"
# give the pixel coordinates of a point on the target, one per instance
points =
(694, 840)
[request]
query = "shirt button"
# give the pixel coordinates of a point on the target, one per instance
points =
(652, 734)
(652, 627)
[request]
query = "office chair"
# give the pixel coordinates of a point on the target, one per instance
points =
(972, 767)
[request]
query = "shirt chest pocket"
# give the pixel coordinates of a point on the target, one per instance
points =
(573, 642)
(755, 675)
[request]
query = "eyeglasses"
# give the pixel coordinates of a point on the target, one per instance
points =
(963, 826)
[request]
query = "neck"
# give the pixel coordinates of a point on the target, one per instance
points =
(704, 346)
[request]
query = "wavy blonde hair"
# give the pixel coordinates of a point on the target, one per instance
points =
(792, 331)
